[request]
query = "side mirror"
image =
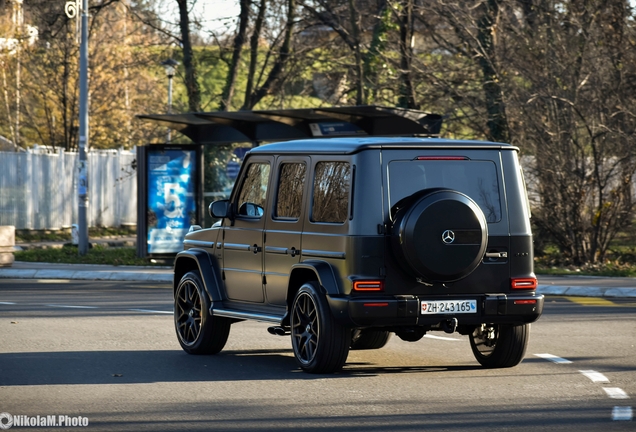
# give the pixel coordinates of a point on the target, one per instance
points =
(220, 209)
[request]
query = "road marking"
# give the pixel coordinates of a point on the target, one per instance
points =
(553, 358)
(594, 376)
(591, 301)
(137, 310)
(622, 413)
(615, 393)
(53, 281)
(151, 311)
(441, 338)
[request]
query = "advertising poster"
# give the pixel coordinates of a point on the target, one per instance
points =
(171, 198)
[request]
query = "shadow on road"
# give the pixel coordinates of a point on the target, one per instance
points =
(134, 367)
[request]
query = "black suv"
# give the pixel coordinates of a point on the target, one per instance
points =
(341, 242)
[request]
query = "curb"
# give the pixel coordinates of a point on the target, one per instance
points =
(86, 275)
(165, 277)
(587, 291)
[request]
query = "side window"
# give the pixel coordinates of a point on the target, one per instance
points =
(331, 192)
(253, 194)
(289, 199)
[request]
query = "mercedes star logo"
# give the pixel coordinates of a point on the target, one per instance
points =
(448, 236)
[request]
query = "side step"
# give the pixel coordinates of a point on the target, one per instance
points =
(246, 315)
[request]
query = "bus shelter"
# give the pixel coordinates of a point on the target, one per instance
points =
(176, 182)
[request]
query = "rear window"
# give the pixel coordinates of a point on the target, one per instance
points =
(477, 179)
(331, 192)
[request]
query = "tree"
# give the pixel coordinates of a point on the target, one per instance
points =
(282, 58)
(475, 33)
(189, 60)
(237, 51)
(119, 80)
(579, 120)
(350, 22)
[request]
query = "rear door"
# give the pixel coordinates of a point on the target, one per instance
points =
(284, 225)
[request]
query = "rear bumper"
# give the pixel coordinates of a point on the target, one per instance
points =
(391, 311)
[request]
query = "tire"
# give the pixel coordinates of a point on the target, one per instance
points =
(198, 332)
(320, 344)
(499, 345)
(439, 235)
(368, 339)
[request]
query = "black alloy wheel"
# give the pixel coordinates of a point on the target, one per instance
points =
(320, 344)
(198, 332)
(500, 345)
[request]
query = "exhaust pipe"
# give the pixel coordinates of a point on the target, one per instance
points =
(449, 326)
(278, 331)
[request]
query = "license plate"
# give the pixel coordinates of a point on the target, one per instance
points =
(449, 307)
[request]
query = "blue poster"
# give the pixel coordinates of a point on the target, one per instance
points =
(171, 198)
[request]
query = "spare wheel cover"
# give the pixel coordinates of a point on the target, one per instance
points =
(442, 236)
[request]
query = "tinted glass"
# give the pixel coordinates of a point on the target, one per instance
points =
(253, 195)
(331, 192)
(290, 190)
(477, 179)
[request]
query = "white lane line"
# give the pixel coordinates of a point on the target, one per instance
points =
(622, 413)
(151, 311)
(441, 338)
(71, 306)
(52, 281)
(615, 393)
(553, 358)
(7, 303)
(594, 376)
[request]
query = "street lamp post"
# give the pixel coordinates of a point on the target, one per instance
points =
(72, 8)
(170, 66)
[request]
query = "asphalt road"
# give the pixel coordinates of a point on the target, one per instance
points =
(107, 352)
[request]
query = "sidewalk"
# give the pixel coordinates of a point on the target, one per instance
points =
(575, 286)
(587, 286)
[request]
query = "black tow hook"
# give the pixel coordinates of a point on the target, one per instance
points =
(278, 331)
(449, 326)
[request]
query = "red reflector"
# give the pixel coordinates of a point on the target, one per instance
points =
(375, 304)
(441, 158)
(520, 302)
(368, 286)
(524, 283)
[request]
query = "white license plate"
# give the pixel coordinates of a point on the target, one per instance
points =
(449, 307)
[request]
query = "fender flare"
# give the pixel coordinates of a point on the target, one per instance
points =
(325, 273)
(208, 267)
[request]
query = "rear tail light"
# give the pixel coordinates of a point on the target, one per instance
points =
(368, 286)
(524, 283)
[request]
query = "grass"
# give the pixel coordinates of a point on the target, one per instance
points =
(30, 236)
(605, 269)
(95, 255)
(620, 261)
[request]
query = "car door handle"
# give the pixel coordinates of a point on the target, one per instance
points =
(257, 249)
(497, 255)
(293, 251)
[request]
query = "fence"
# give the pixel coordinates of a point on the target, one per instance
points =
(39, 190)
